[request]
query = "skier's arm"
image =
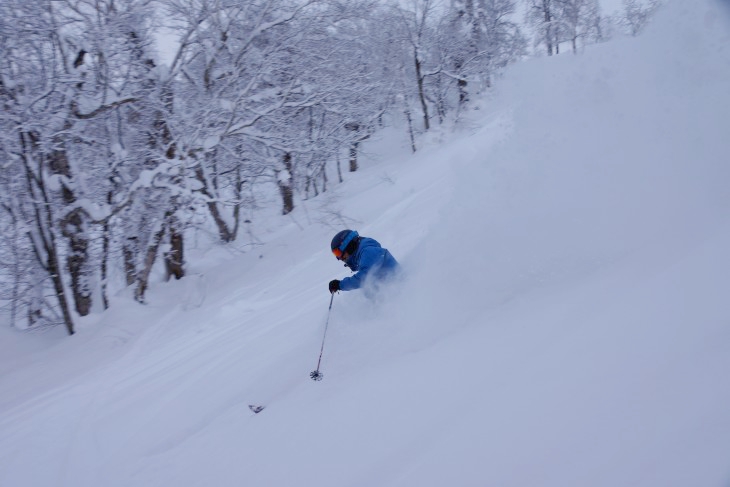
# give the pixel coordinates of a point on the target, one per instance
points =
(369, 258)
(354, 281)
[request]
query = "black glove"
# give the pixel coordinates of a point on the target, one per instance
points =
(334, 286)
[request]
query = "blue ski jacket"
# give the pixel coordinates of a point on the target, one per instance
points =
(370, 260)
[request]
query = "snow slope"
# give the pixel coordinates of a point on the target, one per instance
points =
(563, 319)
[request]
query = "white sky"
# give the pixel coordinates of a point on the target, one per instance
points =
(611, 6)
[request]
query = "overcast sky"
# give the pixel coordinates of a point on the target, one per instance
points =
(610, 6)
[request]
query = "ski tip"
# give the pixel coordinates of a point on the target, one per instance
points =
(256, 409)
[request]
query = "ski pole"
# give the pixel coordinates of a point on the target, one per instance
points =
(316, 374)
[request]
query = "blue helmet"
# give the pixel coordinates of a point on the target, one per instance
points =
(342, 240)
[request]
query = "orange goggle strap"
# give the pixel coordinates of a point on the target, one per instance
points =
(341, 249)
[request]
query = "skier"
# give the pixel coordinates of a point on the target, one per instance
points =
(364, 256)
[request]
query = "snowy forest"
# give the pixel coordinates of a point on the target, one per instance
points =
(127, 124)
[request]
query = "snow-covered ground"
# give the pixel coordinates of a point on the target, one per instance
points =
(563, 320)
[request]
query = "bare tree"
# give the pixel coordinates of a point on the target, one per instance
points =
(579, 19)
(70, 64)
(542, 15)
(109, 157)
(637, 13)
(414, 22)
(477, 39)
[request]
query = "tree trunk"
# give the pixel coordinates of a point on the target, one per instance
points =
(339, 168)
(548, 26)
(53, 265)
(77, 261)
(441, 101)
(353, 156)
(461, 84)
(55, 270)
(421, 92)
(45, 245)
(149, 261)
(355, 128)
(284, 180)
(407, 113)
(225, 233)
(237, 207)
(106, 243)
(463, 94)
(105, 266)
(15, 297)
(73, 227)
(34, 306)
(129, 252)
(174, 259)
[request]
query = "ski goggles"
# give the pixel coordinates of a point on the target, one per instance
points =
(339, 251)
